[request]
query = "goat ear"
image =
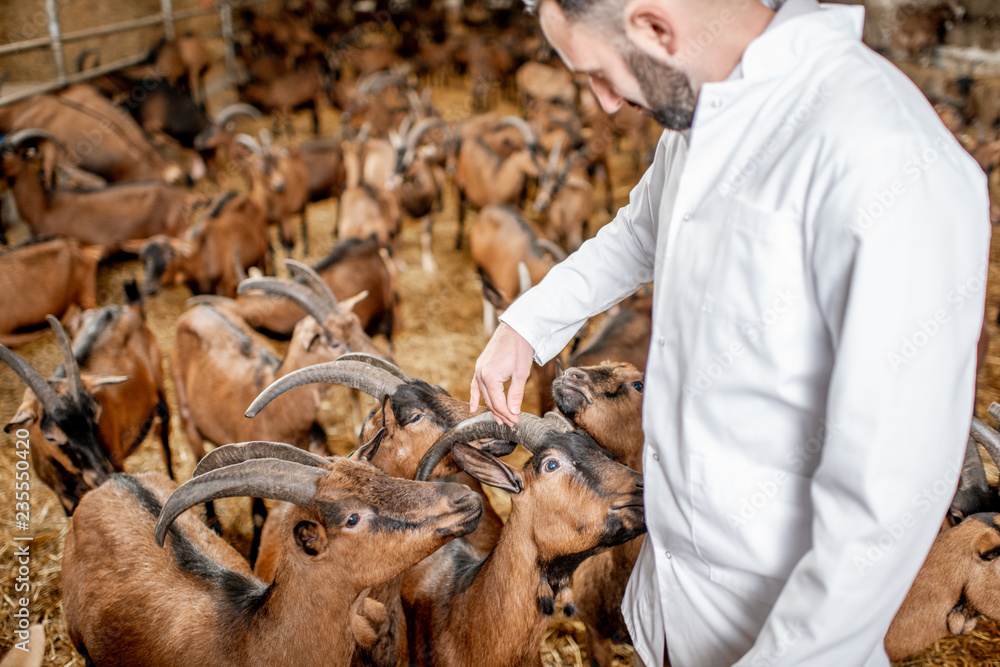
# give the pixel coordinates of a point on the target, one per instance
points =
(132, 246)
(23, 418)
(487, 468)
(367, 451)
(95, 382)
(310, 536)
(988, 545)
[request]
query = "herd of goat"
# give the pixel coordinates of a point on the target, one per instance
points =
(393, 555)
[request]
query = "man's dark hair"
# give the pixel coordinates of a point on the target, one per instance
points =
(576, 10)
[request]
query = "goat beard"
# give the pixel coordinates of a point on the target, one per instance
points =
(667, 90)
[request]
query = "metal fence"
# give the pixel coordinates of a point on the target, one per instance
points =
(167, 17)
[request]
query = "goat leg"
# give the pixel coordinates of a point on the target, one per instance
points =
(426, 243)
(305, 235)
(461, 221)
(163, 412)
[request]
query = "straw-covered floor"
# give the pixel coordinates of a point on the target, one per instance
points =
(439, 339)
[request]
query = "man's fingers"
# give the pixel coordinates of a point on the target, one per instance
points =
(474, 394)
(515, 396)
(497, 402)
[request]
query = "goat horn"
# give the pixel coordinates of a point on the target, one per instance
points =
(973, 490)
(377, 82)
(377, 362)
(416, 104)
(209, 300)
(354, 374)
(228, 113)
(249, 142)
(260, 478)
(303, 296)
(520, 124)
(414, 136)
(558, 420)
(988, 438)
(15, 139)
(43, 390)
(265, 140)
(553, 249)
(231, 454)
(76, 388)
(308, 277)
(555, 154)
(404, 126)
(531, 432)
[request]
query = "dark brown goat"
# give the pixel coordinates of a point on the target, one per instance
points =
(60, 277)
(623, 334)
(196, 602)
(461, 600)
(606, 402)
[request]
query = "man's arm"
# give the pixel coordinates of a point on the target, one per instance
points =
(601, 273)
(901, 286)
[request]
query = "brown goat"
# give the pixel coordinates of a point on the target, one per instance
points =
(103, 217)
(128, 601)
(569, 501)
(300, 88)
(60, 277)
(959, 579)
(365, 211)
(65, 448)
(211, 256)
(98, 137)
(537, 83)
(566, 198)
(623, 334)
(354, 268)
(606, 402)
(919, 29)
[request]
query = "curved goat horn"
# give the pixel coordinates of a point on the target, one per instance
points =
(249, 142)
(988, 438)
(259, 478)
(531, 432)
(377, 362)
(303, 296)
(414, 135)
(226, 114)
(308, 277)
(553, 249)
(231, 454)
(40, 386)
(15, 139)
(354, 374)
(76, 388)
(520, 124)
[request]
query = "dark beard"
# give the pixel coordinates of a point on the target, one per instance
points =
(667, 90)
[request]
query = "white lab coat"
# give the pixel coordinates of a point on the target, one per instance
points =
(819, 250)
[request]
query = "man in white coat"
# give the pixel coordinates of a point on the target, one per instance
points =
(818, 243)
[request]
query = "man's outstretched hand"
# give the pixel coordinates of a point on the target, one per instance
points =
(507, 356)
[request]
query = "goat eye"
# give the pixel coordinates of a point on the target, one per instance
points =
(353, 520)
(551, 465)
(415, 418)
(637, 385)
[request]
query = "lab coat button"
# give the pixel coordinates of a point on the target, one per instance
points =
(656, 457)
(716, 103)
(668, 554)
(687, 216)
(660, 341)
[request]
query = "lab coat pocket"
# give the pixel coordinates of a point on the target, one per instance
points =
(757, 271)
(751, 524)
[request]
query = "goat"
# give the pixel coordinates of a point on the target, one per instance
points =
(959, 579)
(104, 217)
(919, 29)
(219, 365)
(66, 452)
(296, 89)
(585, 501)
(98, 137)
(60, 277)
(324, 162)
(500, 241)
(483, 177)
(354, 267)
(215, 141)
(537, 82)
(279, 182)
(196, 601)
(623, 334)
(364, 210)
(606, 402)
(410, 418)
(211, 256)
(567, 199)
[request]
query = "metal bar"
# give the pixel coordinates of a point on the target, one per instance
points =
(72, 78)
(226, 17)
(168, 18)
(55, 35)
(26, 45)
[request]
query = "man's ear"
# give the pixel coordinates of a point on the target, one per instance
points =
(487, 468)
(650, 27)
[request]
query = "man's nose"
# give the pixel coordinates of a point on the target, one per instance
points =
(606, 97)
